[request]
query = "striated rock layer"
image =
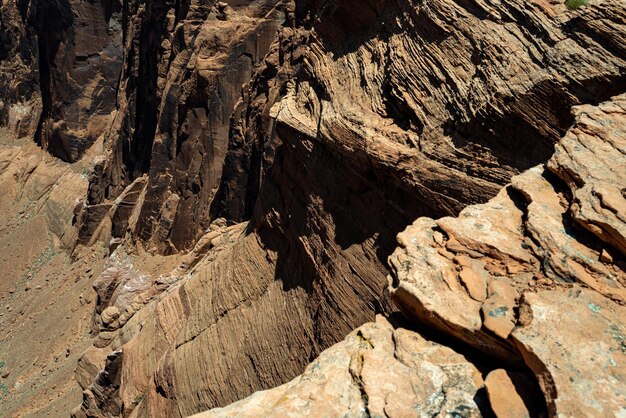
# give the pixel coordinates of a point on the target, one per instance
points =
(185, 63)
(60, 65)
(375, 371)
(279, 147)
(347, 150)
(346, 133)
(518, 277)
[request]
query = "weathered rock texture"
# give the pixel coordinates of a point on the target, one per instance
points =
(184, 67)
(522, 275)
(376, 371)
(61, 62)
(518, 277)
(285, 144)
(45, 299)
(347, 132)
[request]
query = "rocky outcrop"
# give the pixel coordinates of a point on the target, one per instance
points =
(591, 161)
(185, 63)
(418, 101)
(411, 110)
(53, 189)
(285, 144)
(531, 279)
(517, 277)
(376, 371)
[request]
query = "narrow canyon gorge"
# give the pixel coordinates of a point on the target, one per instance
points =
(312, 208)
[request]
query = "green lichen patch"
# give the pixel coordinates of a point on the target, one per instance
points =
(498, 312)
(593, 307)
(618, 337)
(575, 4)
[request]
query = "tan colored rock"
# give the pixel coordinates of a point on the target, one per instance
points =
(592, 161)
(564, 256)
(493, 228)
(504, 398)
(559, 305)
(606, 257)
(90, 363)
(498, 311)
(574, 342)
(428, 282)
(376, 371)
(110, 314)
(474, 278)
(364, 116)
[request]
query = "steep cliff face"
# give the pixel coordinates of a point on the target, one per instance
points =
(184, 65)
(61, 64)
(350, 128)
(20, 105)
(282, 146)
(520, 278)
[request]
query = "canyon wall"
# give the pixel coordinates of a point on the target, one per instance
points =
(277, 148)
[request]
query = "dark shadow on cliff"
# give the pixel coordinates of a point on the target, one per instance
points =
(53, 23)
(331, 217)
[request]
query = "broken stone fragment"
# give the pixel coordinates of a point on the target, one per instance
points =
(474, 277)
(110, 314)
(506, 391)
(498, 310)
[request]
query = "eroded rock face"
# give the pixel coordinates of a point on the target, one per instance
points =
(53, 189)
(552, 298)
(61, 62)
(20, 97)
(346, 133)
(376, 371)
(417, 100)
(185, 63)
(591, 160)
(327, 127)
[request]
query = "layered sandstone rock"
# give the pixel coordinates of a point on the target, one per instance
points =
(45, 297)
(60, 67)
(185, 64)
(285, 144)
(376, 371)
(51, 188)
(348, 132)
(508, 278)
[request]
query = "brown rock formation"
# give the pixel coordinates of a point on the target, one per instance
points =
(565, 315)
(185, 63)
(507, 393)
(375, 371)
(282, 146)
(60, 66)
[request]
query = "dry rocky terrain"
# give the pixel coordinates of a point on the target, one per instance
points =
(372, 208)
